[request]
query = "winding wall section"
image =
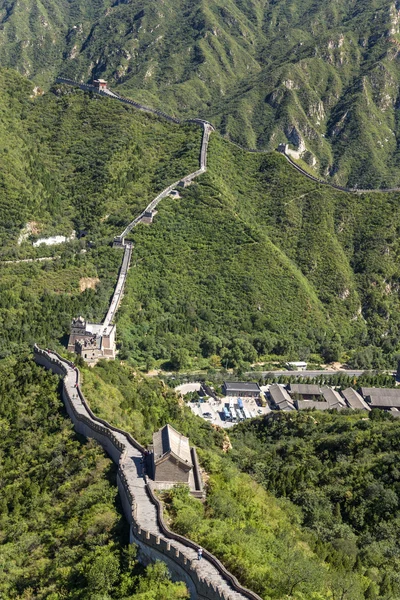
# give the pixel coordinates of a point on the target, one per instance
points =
(334, 185)
(207, 129)
(120, 240)
(110, 94)
(206, 579)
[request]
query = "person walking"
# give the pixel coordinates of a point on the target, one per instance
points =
(199, 553)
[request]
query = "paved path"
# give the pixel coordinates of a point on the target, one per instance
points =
(353, 373)
(131, 465)
(186, 180)
(119, 288)
(28, 260)
(207, 129)
(123, 273)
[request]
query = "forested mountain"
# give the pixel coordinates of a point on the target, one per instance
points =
(62, 533)
(323, 76)
(252, 260)
(256, 259)
(72, 162)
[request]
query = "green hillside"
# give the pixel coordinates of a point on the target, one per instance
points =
(69, 161)
(322, 76)
(62, 534)
(257, 260)
(252, 261)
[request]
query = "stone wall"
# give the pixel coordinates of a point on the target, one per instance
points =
(178, 552)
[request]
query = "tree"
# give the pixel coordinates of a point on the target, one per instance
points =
(104, 571)
(179, 358)
(210, 344)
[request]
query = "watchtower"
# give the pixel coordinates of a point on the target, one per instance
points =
(283, 148)
(100, 84)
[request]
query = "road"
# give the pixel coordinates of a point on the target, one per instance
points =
(353, 373)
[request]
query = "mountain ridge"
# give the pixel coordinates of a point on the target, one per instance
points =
(321, 78)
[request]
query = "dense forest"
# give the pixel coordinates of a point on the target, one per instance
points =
(62, 534)
(257, 261)
(342, 473)
(71, 161)
(299, 506)
(252, 263)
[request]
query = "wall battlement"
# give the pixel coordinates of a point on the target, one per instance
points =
(207, 579)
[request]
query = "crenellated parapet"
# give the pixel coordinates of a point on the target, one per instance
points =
(207, 579)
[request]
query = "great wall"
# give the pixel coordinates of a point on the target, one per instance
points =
(207, 579)
(93, 341)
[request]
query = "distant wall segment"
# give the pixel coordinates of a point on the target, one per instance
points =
(207, 579)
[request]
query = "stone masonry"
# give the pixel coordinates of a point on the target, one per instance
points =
(206, 579)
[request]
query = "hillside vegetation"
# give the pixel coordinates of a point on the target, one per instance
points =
(341, 470)
(62, 534)
(339, 542)
(70, 161)
(257, 260)
(321, 76)
(253, 261)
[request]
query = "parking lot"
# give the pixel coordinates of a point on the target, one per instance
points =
(213, 410)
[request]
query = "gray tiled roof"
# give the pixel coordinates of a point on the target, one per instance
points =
(354, 400)
(387, 392)
(281, 397)
(384, 402)
(241, 386)
(305, 389)
(304, 404)
(168, 440)
(333, 398)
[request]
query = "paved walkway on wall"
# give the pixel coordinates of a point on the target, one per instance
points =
(132, 466)
(207, 129)
(333, 185)
(119, 288)
(187, 179)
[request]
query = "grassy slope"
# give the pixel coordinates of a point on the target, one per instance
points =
(84, 157)
(256, 251)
